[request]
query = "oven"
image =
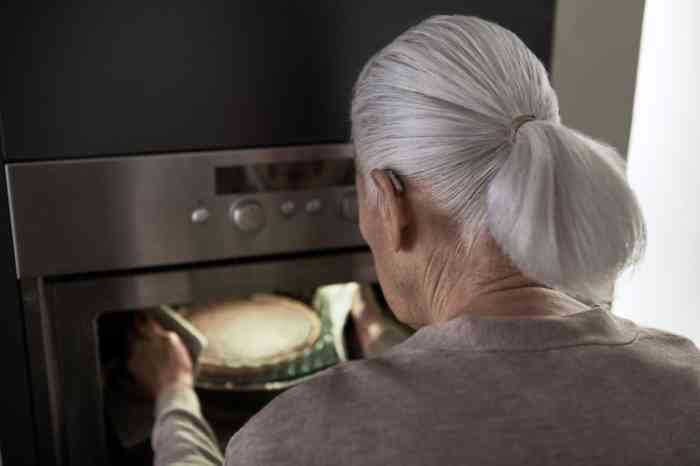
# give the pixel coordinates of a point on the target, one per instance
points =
(100, 240)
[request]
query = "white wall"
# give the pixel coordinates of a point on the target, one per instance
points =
(664, 170)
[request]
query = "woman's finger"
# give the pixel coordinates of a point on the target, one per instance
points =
(146, 326)
(155, 328)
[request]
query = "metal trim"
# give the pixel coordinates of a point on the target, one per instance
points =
(44, 372)
(11, 210)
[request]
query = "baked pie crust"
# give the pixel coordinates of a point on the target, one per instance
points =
(253, 336)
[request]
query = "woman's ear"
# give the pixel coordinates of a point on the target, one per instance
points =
(392, 207)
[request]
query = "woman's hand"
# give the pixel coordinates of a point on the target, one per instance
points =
(158, 358)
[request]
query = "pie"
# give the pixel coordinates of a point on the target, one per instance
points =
(253, 336)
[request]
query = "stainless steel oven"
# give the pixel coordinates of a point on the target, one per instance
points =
(104, 237)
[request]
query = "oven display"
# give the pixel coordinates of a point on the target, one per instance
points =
(285, 176)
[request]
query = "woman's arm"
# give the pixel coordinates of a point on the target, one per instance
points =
(181, 436)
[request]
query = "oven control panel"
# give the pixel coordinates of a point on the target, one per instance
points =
(249, 215)
(121, 213)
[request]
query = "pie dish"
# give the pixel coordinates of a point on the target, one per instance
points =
(251, 339)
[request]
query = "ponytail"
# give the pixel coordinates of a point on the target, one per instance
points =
(561, 209)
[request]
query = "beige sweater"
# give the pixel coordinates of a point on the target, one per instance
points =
(586, 389)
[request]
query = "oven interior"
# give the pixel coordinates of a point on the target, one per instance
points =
(128, 408)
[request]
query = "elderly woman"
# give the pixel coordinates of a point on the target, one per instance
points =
(496, 232)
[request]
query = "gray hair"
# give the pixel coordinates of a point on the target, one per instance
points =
(437, 106)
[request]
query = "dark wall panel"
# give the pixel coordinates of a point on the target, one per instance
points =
(91, 78)
(17, 436)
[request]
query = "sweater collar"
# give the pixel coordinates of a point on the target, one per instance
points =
(489, 333)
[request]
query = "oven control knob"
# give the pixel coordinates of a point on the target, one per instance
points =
(200, 215)
(348, 207)
(288, 208)
(248, 215)
(314, 206)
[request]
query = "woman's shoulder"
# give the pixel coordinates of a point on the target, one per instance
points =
(674, 356)
(333, 386)
(664, 337)
(278, 433)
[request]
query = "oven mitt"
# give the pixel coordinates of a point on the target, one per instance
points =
(192, 338)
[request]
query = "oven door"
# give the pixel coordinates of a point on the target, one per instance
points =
(63, 315)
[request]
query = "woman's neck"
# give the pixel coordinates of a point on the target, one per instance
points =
(511, 294)
(477, 279)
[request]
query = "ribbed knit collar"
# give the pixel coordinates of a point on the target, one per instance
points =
(487, 333)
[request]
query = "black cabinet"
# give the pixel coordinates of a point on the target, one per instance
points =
(86, 78)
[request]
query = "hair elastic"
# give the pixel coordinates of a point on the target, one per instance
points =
(518, 122)
(395, 180)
